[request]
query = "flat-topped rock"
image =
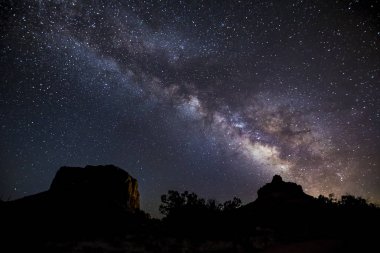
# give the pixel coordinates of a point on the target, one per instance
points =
(104, 184)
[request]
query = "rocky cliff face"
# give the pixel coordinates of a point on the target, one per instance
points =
(280, 190)
(279, 195)
(105, 185)
(89, 201)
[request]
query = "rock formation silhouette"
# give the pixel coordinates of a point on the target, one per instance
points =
(282, 206)
(89, 201)
(96, 205)
(280, 193)
(102, 184)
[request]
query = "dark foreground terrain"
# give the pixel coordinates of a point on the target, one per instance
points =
(96, 209)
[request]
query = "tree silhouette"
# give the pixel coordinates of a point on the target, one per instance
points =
(350, 201)
(232, 204)
(175, 204)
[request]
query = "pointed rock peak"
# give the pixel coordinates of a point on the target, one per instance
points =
(279, 189)
(276, 179)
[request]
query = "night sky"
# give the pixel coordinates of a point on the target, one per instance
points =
(214, 97)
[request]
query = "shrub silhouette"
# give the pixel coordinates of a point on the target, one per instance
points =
(175, 203)
(350, 201)
(346, 201)
(186, 212)
(232, 204)
(188, 206)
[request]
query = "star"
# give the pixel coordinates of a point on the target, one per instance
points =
(203, 95)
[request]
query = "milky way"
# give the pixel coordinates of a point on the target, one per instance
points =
(209, 96)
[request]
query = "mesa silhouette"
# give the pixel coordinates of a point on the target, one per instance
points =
(80, 202)
(98, 203)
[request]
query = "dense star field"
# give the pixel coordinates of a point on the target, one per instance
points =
(208, 96)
